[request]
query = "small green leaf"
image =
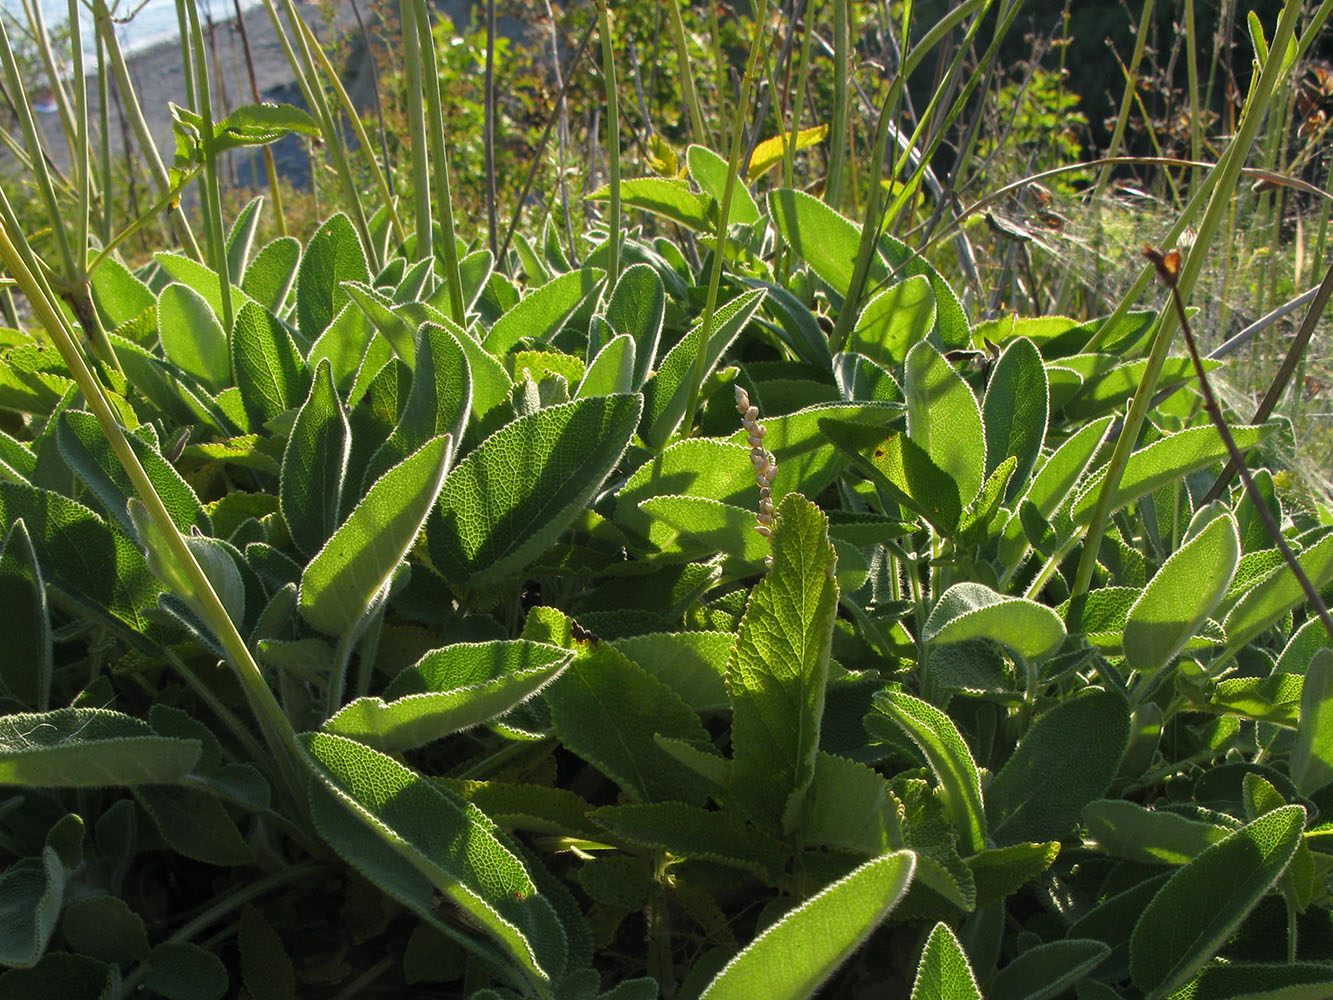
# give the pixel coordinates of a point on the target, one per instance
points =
(1312, 756)
(31, 893)
(25, 621)
(893, 321)
(693, 664)
(192, 336)
(270, 371)
(179, 970)
(194, 823)
(779, 668)
(1133, 832)
(270, 276)
(709, 171)
(794, 956)
(265, 967)
(974, 611)
(947, 753)
(333, 255)
(827, 241)
(1041, 790)
(438, 403)
(691, 832)
(849, 807)
(665, 196)
(505, 503)
(1164, 461)
(902, 468)
(944, 973)
(355, 565)
(1181, 596)
(1015, 410)
(449, 689)
(88, 748)
(1199, 908)
(1047, 970)
(612, 370)
(540, 314)
(314, 465)
(104, 927)
(769, 153)
(636, 309)
(666, 393)
(448, 841)
(1278, 592)
(943, 417)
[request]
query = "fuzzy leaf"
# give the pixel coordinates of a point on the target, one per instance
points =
(540, 314)
(355, 565)
(794, 956)
(1016, 409)
(88, 748)
(943, 417)
(893, 321)
(506, 503)
(333, 255)
(778, 670)
(1133, 832)
(944, 973)
(974, 611)
(1312, 756)
(270, 371)
(192, 335)
(314, 465)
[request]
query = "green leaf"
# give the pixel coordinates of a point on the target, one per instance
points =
(1015, 410)
(118, 295)
(1199, 908)
(82, 557)
(697, 527)
(666, 393)
(1003, 871)
(1133, 832)
(827, 241)
(974, 611)
(445, 839)
(344, 578)
(1164, 461)
(88, 452)
(611, 371)
(849, 807)
(797, 442)
(779, 668)
(902, 468)
(438, 403)
(1312, 756)
(192, 336)
(665, 196)
(893, 321)
(690, 832)
(270, 276)
(540, 314)
(314, 465)
(104, 927)
(333, 255)
(1277, 593)
(60, 974)
(31, 893)
(946, 752)
(25, 621)
(449, 689)
(201, 278)
(1181, 595)
(709, 171)
(194, 823)
(1259, 980)
(265, 967)
(607, 709)
(794, 956)
(241, 237)
(1042, 788)
(943, 418)
(693, 664)
(88, 748)
(270, 371)
(944, 973)
(1047, 970)
(179, 970)
(506, 503)
(636, 309)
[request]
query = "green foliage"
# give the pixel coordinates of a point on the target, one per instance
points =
(409, 609)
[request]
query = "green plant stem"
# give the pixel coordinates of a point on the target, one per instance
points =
(697, 371)
(1222, 181)
(698, 124)
(440, 153)
(416, 127)
(167, 197)
(1126, 101)
(106, 30)
(1215, 414)
(270, 165)
(614, 223)
(212, 195)
(841, 104)
(278, 732)
(488, 130)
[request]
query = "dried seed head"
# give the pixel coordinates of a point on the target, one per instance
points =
(751, 414)
(764, 530)
(742, 401)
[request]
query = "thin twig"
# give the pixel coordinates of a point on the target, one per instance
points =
(1167, 269)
